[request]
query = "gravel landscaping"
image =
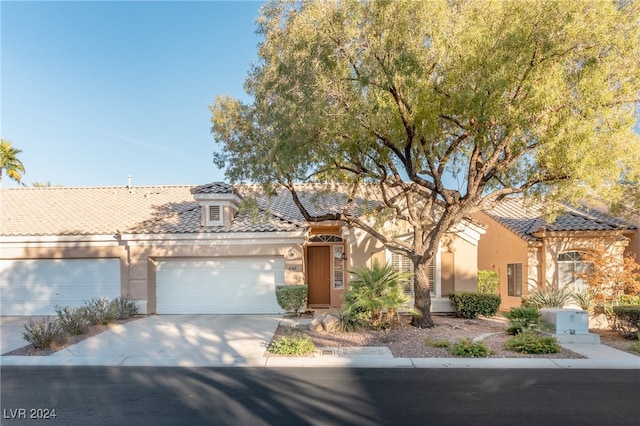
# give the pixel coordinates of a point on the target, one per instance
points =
(406, 341)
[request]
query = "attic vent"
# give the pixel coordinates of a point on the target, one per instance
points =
(214, 214)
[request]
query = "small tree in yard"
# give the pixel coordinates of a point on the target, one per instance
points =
(611, 281)
(431, 110)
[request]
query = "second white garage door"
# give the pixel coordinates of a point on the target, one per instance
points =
(234, 285)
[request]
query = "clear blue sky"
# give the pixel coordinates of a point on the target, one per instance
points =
(94, 91)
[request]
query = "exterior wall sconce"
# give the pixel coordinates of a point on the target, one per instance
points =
(344, 256)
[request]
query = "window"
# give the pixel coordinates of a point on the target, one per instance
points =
(403, 264)
(325, 239)
(514, 279)
(338, 267)
(570, 264)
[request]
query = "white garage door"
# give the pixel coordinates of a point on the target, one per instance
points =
(34, 287)
(235, 285)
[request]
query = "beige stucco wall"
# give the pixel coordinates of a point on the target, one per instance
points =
(499, 247)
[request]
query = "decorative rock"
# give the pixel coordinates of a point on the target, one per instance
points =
(315, 325)
(330, 323)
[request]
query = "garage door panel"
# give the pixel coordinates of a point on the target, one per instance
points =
(34, 287)
(226, 285)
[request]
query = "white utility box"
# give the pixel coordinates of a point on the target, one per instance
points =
(566, 321)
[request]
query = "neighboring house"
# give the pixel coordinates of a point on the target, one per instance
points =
(190, 250)
(528, 252)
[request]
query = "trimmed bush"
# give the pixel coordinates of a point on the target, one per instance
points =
(299, 344)
(522, 318)
(548, 298)
(74, 321)
(530, 342)
(99, 311)
(627, 320)
(44, 334)
(488, 282)
(292, 298)
(470, 305)
(123, 307)
(468, 349)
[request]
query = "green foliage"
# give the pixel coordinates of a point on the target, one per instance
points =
(292, 298)
(438, 343)
(469, 349)
(470, 305)
(522, 318)
(353, 321)
(530, 342)
(99, 311)
(627, 320)
(548, 298)
(635, 346)
(585, 299)
(72, 320)
(488, 282)
(376, 292)
(43, 334)
(123, 307)
(298, 344)
(9, 162)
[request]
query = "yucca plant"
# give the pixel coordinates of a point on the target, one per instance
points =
(585, 299)
(549, 298)
(522, 318)
(377, 292)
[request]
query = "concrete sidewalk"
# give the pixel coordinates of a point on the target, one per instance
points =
(240, 341)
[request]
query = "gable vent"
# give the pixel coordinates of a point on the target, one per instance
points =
(214, 214)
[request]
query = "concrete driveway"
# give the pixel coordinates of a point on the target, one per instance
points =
(171, 340)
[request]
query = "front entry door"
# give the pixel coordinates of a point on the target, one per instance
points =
(319, 275)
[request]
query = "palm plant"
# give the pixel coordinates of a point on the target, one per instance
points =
(376, 292)
(9, 161)
(549, 298)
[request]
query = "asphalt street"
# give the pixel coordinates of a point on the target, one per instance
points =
(316, 396)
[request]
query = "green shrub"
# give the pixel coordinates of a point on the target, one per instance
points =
(74, 321)
(635, 346)
(548, 298)
(299, 344)
(530, 342)
(376, 293)
(99, 311)
(123, 307)
(470, 305)
(522, 318)
(438, 343)
(352, 321)
(44, 334)
(469, 349)
(627, 320)
(292, 298)
(488, 282)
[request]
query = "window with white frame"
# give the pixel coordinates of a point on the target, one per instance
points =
(570, 265)
(403, 264)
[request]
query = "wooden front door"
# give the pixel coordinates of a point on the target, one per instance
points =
(319, 275)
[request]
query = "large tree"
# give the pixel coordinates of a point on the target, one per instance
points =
(444, 105)
(9, 161)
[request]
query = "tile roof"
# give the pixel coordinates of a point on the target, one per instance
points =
(70, 211)
(527, 219)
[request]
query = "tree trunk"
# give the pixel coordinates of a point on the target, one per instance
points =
(422, 296)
